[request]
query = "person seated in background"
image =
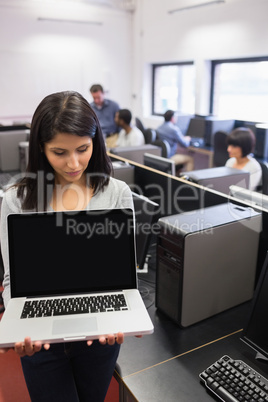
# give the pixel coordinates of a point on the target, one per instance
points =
(105, 110)
(240, 145)
(170, 132)
(130, 135)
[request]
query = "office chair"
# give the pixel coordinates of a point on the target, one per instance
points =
(220, 148)
(263, 188)
(164, 145)
(149, 135)
(139, 124)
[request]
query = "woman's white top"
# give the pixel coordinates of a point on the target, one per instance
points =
(254, 169)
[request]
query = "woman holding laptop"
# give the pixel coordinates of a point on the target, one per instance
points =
(68, 169)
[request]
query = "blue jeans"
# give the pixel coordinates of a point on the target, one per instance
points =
(70, 372)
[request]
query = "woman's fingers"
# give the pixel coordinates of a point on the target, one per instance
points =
(28, 348)
(111, 339)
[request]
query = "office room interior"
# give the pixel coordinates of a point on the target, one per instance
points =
(48, 46)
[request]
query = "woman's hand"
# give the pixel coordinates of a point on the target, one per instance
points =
(110, 339)
(29, 348)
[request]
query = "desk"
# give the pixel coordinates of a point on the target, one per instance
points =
(203, 156)
(165, 366)
(178, 379)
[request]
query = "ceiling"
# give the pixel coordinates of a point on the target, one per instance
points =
(128, 5)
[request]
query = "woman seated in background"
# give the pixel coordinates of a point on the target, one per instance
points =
(241, 142)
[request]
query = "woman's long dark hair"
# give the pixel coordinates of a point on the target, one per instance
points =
(61, 112)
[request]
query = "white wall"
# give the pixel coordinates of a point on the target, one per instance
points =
(41, 57)
(234, 29)
(37, 58)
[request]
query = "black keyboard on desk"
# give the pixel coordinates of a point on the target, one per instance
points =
(233, 380)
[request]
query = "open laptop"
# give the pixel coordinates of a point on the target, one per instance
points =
(67, 271)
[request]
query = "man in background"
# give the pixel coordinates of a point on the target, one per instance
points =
(105, 110)
(129, 135)
(170, 132)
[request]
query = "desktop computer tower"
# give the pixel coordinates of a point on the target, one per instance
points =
(206, 261)
(206, 126)
(123, 171)
(218, 178)
(261, 133)
(261, 146)
(212, 125)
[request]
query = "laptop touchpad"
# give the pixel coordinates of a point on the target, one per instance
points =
(74, 325)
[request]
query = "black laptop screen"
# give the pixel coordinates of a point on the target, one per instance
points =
(73, 252)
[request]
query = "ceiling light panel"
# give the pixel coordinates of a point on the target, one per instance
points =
(196, 5)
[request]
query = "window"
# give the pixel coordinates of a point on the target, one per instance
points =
(240, 89)
(173, 88)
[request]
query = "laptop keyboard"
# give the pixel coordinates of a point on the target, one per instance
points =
(74, 305)
(233, 381)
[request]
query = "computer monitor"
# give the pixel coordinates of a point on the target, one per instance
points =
(183, 121)
(255, 333)
(205, 128)
(146, 214)
(245, 123)
(135, 154)
(261, 146)
(197, 127)
(252, 197)
(218, 178)
(159, 163)
(213, 125)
